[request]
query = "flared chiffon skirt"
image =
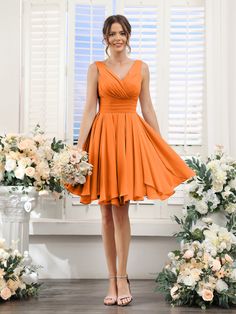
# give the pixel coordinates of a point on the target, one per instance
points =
(130, 160)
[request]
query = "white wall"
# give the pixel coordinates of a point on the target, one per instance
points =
(9, 65)
(83, 256)
(232, 74)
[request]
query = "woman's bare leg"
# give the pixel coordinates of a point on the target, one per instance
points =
(122, 239)
(109, 246)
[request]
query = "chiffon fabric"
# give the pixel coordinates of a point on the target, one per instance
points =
(130, 159)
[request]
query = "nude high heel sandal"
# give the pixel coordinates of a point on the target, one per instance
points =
(121, 297)
(110, 297)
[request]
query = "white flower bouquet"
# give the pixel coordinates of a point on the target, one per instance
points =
(71, 166)
(18, 276)
(40, 162)
(213, 188)
(202, 272)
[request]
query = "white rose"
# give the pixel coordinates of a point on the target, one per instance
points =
(221, 285)
(189, 281)
(10, 165)
(201, 207)
(233, 275)
(231, 208)
(19, 173)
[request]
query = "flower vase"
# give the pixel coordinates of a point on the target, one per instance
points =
(16, 203)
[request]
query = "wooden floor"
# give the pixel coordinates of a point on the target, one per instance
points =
(86, 296)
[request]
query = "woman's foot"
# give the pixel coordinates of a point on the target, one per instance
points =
(111, 298)
(124, 293)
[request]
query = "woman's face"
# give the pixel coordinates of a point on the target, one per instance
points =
(117, 38)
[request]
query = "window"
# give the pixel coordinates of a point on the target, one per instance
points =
(61, 39)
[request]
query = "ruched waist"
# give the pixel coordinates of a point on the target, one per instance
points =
(117, 107)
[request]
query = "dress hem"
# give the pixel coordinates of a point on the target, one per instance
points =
(114, 200)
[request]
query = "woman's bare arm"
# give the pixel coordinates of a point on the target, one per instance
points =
(147, 109)
(90, 108)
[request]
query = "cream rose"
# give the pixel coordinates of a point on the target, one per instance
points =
(13, 285)
(216, 265)
(173, 293)
(207, 295)
(2, 272)
(30, 171)
(5, 293)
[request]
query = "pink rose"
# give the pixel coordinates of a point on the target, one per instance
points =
(5, 293)
(188, 254)
(207, 295)
(216, 265)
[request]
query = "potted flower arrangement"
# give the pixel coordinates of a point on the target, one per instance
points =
(203, 271)
(18, 276)
(212, 192)
(32, 165)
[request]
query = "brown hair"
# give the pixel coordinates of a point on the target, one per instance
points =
(122, 20)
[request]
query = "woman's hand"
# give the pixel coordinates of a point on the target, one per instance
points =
(79, 147)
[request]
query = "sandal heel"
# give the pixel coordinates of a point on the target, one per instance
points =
(119, 298)
(110, 297)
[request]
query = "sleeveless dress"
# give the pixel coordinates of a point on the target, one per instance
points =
(130, 159)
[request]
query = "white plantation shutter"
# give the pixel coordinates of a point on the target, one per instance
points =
(186, 74)
(86, 46)
(186, 82)
(44, 69)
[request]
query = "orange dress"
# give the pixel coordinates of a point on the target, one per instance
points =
(130, 159)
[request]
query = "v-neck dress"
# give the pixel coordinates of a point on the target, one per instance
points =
(130, 159)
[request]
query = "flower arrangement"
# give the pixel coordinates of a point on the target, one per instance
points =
(18, 277)
(213, 188)
(40, 162)
(203, 271)
(71, 166)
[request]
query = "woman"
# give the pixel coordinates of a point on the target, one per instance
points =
(129, 156)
